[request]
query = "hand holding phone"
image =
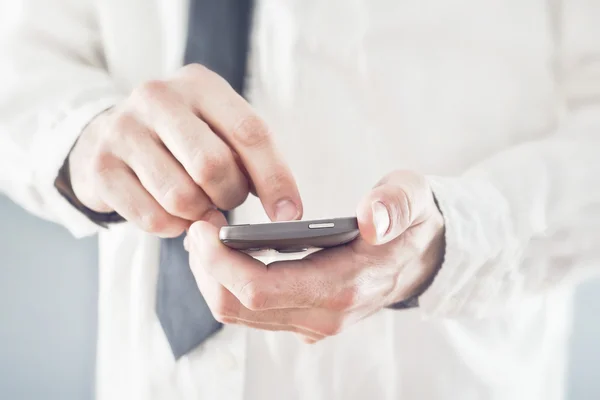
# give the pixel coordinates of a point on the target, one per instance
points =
(290, 237)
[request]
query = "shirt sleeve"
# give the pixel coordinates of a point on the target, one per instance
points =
(52, 83)
(528, 218)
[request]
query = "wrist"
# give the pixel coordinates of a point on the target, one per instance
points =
(64, 186)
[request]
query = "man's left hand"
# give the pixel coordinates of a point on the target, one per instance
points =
(399, 250)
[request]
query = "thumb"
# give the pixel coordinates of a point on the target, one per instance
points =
(213, 217)
(398, 202)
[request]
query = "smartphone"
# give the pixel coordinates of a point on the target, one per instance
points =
(290, 237)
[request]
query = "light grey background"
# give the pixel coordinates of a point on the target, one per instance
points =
(48, 286)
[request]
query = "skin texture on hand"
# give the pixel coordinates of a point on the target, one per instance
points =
(400, 247)
(176, 150)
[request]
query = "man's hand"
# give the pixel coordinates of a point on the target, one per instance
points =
(399, 250)
(176, 149)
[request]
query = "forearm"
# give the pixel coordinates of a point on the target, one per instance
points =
(52, 84)
(528, 218)
(520, 222)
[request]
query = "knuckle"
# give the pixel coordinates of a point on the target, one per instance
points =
(123, 125)
(277, 180)
(154, 222)
(251, 131)
(101, 163)
(194, 71)
(123, 122)
(151, 91)
(253, 296)
(334, 328)
(211, 168)
(180, 200)
(224, 319)
(234, 197)
(221, 308)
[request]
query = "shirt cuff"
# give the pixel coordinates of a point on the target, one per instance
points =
(50, 152)
(476, 218)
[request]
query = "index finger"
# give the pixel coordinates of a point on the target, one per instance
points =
(231, 117)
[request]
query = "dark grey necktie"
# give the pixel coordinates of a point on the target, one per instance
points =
(218, 34)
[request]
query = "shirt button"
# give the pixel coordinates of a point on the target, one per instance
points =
(227, 360)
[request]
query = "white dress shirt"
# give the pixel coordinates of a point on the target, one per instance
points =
(496, 101)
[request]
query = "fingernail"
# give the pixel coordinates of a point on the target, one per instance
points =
(285, 210)
(381, 219)
(186, 243)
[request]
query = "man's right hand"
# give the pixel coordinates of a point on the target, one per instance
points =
(176, 149)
